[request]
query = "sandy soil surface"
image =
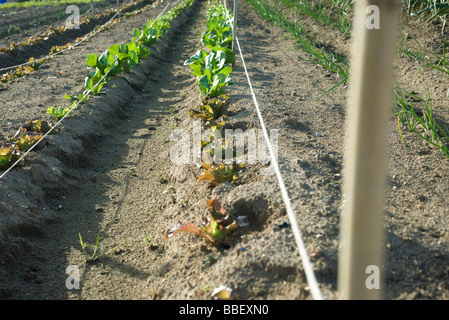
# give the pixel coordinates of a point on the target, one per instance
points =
(108, 172)
(17, 24)
(39, 49)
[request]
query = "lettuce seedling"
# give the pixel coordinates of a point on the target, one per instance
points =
(212, 72)
(127, 55)
(21, 71)
(34, 65)
(219, 31)
(39, 126)
(94, 82)
(82, 97)
(8, 154)
(104, 63)
(189, 227)
(214, 151)
(230, 55)
(25, 140)
(214, 228)
(152, 31)
(219, 173)
(197, 62)
(58, 113)
(211, 108)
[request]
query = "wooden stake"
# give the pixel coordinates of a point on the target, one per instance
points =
(92, 6)
(360, 270)
(234, 29)
(118, 9)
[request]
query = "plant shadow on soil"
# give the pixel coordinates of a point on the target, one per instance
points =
(90, 174)
(153, 110)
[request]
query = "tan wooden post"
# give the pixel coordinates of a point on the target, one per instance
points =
(234, 28)
(92, 6)
(360, 273)
(118, 9)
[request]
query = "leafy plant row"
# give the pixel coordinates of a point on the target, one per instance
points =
(120, 58)
(213, 71)
(116, 59)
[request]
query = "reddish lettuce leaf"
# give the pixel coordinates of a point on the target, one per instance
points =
(39, 126)
(189, 227)
(9, 153)
(214, 228)
(25, 140)
(216, 174)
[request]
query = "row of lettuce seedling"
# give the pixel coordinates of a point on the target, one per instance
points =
(212, 68)
(114, 60)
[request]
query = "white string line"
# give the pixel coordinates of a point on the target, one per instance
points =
(70, 110)
(57, 123)
(308, 269)
(176, 3)
(90, 9)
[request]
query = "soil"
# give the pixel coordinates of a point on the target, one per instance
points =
(41, 49)
(108, 173)
(17, 24)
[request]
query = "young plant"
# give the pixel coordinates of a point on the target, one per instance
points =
(170, 191)
(219, 30)
(162, 179)
(212, 72)
(95, 248)
(39, 126)
(24, 140)
(103, 63)
(211, 108)
(9, 153)
(59, 112)
(152, 31)
(214, 228)
(433, 133)
(81, 98)
(216, 174)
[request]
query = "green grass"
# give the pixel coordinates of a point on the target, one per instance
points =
(429, 9)
(36, 3)
(437, 60)
(421, 123)
(431, 6)
(319, 55)
(335, 13)
(95, 255)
